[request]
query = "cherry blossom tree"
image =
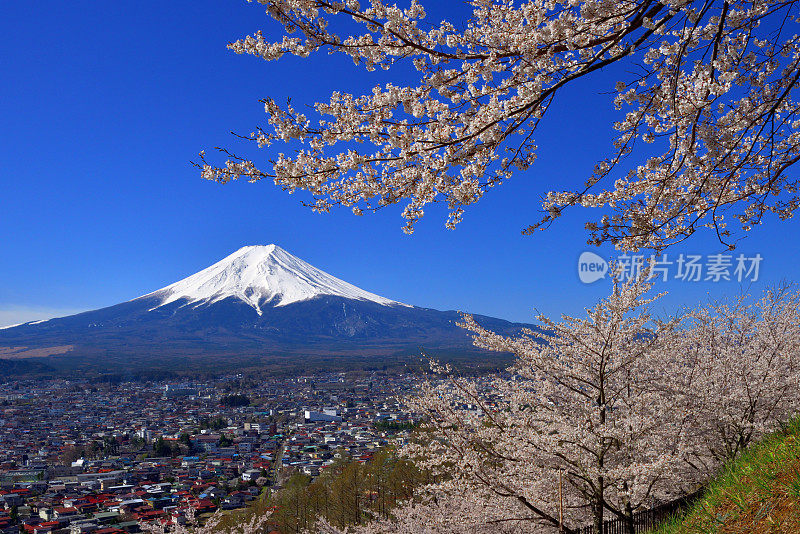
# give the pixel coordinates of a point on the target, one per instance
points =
(623, 410)
(708, 128)
(587, 404)
(742, 371)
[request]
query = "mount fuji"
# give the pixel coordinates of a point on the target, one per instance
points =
(260, 303)
(261, 275)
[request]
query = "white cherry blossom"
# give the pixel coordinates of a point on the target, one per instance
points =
(708, 132)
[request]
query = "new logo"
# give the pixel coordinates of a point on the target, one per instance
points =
(591, 267)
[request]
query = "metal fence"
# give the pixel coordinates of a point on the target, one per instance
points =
(646, 519)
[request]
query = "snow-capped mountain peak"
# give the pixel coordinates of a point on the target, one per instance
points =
(260, 275)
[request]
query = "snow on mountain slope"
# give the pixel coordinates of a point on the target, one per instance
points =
(260, 275)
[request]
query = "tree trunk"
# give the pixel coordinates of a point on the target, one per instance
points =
(627, 523)
(597, 515)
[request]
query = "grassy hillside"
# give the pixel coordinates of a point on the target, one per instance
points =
(758, 493)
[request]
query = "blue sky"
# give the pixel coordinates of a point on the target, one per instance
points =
(104, 104)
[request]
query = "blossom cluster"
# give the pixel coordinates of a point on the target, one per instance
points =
(708, 133)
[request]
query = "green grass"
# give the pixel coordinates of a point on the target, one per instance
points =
(758, 493)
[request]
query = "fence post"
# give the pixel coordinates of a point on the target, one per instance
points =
(560, 502)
